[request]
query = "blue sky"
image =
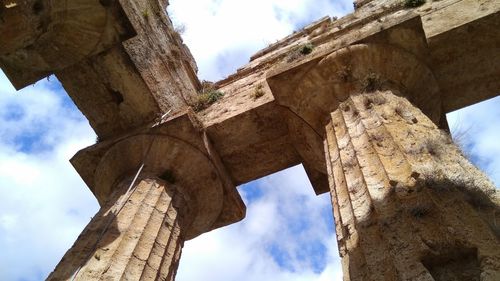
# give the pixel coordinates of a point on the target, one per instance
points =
(288, 233)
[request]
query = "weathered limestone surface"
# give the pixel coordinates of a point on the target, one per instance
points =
(137, 235)
(134, 81)
(121, 62)
(42, 36)
(361, 110)
(463, 48)
(177, 147)
(168, 205)
(406, 202)
(137, 80)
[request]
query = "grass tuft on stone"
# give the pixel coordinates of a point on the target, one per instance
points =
(306, 49)
(258, 92)
(300, 51)
(207, 96)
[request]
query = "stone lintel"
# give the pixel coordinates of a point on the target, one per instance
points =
(46, 36)
(250, 134)
(467, 41)
(465, 61)
(265, 142)
(121, 62)
(179, 151)
(266, 146)
(114, 104)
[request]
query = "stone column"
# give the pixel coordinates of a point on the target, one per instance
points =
(137, 235)
(182, 191)
(408, 205)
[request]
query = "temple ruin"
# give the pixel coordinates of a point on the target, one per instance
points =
(360, 101)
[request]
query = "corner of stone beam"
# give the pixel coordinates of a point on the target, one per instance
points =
(406, 33)
(40, 38)
(176, 150)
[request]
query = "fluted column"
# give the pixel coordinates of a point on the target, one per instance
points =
(407, 204)
(137, 235)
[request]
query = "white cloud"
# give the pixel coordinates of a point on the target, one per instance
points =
(285, 220)
(44, 205)
(223, 34)
(478, 128)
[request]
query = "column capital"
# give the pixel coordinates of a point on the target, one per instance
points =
(323, 85)
(177, 151)
(390, 55)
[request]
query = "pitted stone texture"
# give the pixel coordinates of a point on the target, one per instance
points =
(406, 201)
(140, 241)
(176, 146)
(43, 36)
(121, 62)
(138, 79)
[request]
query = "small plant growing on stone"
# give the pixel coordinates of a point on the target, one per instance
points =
(399, 109)
(259, 92)
(301, 51)
(433, 147)
(206, 99)
(306, 49)
(413, 3)
(207, 96)
(145, 14)
(213, 96)
(477, 197)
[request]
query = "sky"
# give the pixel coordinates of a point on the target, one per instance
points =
(44, 204)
